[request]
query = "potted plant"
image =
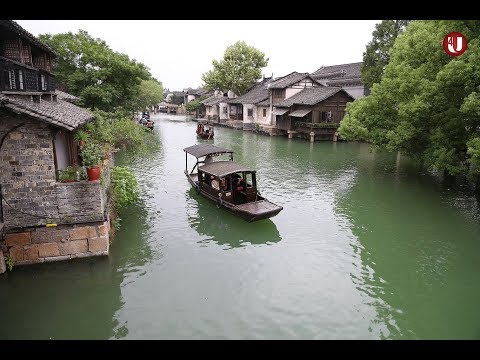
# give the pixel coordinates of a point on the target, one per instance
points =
(81, 137)
(69, 174)
(92, 155)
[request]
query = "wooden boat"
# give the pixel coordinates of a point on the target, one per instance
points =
(205, 130)
(230, 185)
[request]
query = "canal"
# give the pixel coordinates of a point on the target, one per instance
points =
(367, 247)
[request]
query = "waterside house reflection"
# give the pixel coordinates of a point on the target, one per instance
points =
(224, 228)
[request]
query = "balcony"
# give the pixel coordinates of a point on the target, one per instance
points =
(317, 128)
(17, 77)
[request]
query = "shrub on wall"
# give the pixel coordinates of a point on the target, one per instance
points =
(124, 187)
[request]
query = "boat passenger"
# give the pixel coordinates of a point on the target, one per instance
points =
(214, 183)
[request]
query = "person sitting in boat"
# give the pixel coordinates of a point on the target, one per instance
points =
(223, 184)
(239, 183)
(214, 183)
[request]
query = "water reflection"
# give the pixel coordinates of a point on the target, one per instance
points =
(44, 301)
(410, 241)
(226, 229)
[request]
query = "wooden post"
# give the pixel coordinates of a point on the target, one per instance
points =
(20, 52)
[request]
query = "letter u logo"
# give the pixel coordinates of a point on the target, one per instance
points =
(451, 44)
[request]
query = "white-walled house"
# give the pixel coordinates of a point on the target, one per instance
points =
(263, 112)
(346, 76)
(245, 107)
(284, 88)
(214, 106)
(192, 94)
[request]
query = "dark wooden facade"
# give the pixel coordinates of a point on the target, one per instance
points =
(25, 66)
(322, 119)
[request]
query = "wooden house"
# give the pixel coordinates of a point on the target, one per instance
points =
(313, 113)
(250, 107)
(346, 76)
(37, 125)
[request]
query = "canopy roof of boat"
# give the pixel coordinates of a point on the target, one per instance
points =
(223, 168)
(206, 149)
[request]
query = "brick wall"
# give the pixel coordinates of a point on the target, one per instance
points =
(46, 244)
(29, 183)
(28, 170)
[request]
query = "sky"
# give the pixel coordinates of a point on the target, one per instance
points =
(178, 52)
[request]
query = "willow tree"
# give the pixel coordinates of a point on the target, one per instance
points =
(239, 69)
(427, 102)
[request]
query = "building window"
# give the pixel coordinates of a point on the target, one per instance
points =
(264, 112)
(249, 112)
(20, 80)
(43, 82)
(11, 79)
(225, 109)
(327, 116)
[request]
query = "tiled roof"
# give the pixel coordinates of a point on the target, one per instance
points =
(344, 82)
(310, 96)
(222, 168)
(60, 113)
(213, 100)
(288, 80)
(13, 26)
(348, 71)
(257, 93)
(206, 149)
(197, 92)
(66, 96)
(264, 102)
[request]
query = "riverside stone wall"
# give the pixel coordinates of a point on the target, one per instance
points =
(46, 244)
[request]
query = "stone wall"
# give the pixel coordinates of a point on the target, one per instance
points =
(31, 194)
(46, 244)
(28, 170)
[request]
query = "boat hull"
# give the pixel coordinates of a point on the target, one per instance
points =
(252, 211)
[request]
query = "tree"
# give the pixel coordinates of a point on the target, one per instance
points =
(376, 55)
(175, 99)
(239, 69)
(102, 78)
(427, 102)
(195, 105)
(150, 93)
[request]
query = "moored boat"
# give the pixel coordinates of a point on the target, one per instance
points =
(205, 130)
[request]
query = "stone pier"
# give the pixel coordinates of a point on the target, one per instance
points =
(46, 244)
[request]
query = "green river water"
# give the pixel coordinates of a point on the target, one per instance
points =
(367, 247)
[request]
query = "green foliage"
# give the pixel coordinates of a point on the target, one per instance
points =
(150, 93)
(376, 55)
(174, 99)
(9, 262)
(68, 174)
(239, 69)
(92, 154)
(124, 187)
(101, 77)
(195, 105)
(427, 103)
(81, 135)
